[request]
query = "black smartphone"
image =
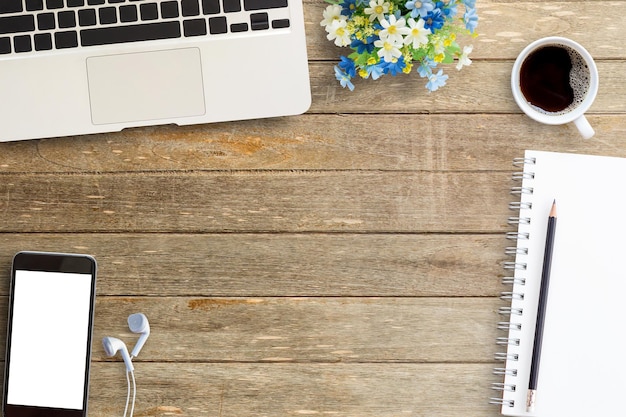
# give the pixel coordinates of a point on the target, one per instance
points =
(48, 349)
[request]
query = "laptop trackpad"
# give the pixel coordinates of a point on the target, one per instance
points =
(145, 86)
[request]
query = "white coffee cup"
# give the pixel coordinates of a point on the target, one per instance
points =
(576, 111)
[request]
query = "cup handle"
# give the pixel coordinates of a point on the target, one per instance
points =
(584, 127)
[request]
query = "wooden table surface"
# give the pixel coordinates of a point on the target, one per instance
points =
(345, 262)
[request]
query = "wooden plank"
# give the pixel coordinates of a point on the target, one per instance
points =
(341, 201)
(318, 330)
(250, 265)
(345, 390)
(483, 87)
(456, 142)
(505, 27)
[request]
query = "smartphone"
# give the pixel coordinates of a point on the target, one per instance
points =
(48, 347)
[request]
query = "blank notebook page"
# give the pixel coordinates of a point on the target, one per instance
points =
(583, 361)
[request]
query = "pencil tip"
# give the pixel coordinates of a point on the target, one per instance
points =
(553, 209)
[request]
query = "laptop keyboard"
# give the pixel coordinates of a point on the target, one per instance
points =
(43, 25)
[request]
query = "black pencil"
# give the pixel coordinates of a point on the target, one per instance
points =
(541, 310)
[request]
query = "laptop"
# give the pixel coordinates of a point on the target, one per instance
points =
(73, 67)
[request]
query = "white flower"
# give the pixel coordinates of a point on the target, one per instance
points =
(332, 13)
(377, 9)
(418, 35)
(464, 58)
(393, 29)
(388, 50)
(338, 31)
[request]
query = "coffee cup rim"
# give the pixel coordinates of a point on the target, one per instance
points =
(554, 119)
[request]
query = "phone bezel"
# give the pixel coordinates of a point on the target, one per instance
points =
(50, 262)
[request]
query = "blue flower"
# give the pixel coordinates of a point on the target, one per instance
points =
(376, 71)
(348, 7)
(436, 80)
(419, 8)
(363, 47)
(347, 66)
(424, 70)
(471, 20)
(434, 20)
(394, 68)
(449, 10)
(470, 4)
(343, 78)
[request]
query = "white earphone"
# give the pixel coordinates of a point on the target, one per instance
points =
(112, 345)
(137, 323)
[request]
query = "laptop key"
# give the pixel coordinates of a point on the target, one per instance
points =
(63, 40)
(66, 19)
(22, 43)
(218, 25)
(149, 11)
(75, 3)
(54, 4)
(16, 24)
(259, 21)
(263, 4)
(132, 33)
(10, 6)
(87, 17)
(45, 21)
(34, 5)
(128, 13)
(169, 9)
(190, 7)
(238, 27)
(232, 6)
(194, 27)
(210, 6)
(107, 15)
(280, 23)
(43, 42)
(5, 45)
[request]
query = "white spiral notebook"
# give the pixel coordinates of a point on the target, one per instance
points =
(582, 371)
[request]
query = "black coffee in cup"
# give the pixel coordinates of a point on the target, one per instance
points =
(554, 79)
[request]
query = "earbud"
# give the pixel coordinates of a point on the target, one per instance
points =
(138, 323)
(112, 345)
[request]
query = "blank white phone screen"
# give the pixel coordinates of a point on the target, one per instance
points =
(49, 339)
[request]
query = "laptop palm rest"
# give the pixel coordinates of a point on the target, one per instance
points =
(145, 86)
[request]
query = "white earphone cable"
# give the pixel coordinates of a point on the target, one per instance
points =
(132, 407)
(128, 393)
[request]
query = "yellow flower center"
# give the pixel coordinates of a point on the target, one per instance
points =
(341, 31)
(388, 46)
(379, 9)
(392, 30)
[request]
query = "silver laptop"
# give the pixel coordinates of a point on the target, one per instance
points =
(70, 67)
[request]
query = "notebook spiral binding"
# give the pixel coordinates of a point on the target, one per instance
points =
(510, 324)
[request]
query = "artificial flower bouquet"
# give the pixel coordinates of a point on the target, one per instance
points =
(393, 36)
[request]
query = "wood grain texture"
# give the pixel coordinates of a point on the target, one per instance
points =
(274, 265)
(301, 329)
(278, 390)
(264, 201)
(483, 87)
(306, 329)
(416, 142)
